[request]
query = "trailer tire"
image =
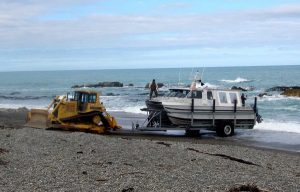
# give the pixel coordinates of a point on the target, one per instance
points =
(225, 129)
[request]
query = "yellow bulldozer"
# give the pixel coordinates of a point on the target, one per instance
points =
(82, 110)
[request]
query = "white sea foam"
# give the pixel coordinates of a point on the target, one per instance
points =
(211, 85)
(237, 80)
(133, 109)
(164, 88)
(277, 97)
(16, 106)
(273, 125)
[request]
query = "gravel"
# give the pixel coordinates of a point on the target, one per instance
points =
(43, 160)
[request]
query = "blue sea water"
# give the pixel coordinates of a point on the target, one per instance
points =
(36, 89)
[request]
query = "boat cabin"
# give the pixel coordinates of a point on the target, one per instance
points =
(222, 97)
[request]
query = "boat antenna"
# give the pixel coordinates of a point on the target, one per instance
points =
(202, 72)
(179, 78)
(192, 75)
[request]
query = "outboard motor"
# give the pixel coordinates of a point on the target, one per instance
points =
(259, 119)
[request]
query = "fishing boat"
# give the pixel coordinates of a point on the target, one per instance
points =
(200, 106)
(218, 109)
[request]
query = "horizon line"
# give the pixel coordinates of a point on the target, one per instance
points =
(148, 68)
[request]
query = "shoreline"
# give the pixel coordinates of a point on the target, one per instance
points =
(261, 139)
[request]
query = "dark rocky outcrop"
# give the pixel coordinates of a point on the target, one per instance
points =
(292, 92)
(238, 88)
(264, 94)
(251, 88)
(15, 93)
(112, 94)
(100, 84)
(130, 85)
(282, 88)
(160, 85)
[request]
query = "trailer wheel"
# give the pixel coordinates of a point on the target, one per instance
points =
(225, 129)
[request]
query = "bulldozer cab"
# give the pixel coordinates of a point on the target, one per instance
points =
(84, 99)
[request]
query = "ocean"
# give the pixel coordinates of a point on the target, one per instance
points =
(37, 89)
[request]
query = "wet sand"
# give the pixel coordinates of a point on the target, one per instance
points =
(47, 160)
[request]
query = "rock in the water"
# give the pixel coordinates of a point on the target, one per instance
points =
(76, 86)
(238, 88)
(15, 93)
(160, 85)
(292, 92)
(100, 84)
(110, 84)
(112, 94)
(130, 85)
(282, 88)
(264, 94)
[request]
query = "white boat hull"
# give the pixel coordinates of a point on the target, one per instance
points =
(199, 116)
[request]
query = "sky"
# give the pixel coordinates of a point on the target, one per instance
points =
(118, 34)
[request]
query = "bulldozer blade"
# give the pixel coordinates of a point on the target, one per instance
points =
(37, 118)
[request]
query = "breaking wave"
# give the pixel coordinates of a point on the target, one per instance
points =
(133, 109)
(211, 85)
(237, 80)
(17, 106)
(272, 125)
(277, 97)
(23, 97)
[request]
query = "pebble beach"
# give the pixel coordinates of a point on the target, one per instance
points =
(51, 160)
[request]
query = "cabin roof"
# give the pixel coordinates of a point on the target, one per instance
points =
(208, 89)
(87, 91)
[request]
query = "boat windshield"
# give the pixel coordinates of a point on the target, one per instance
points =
(195, 94)
(209, 95)
(177, 93)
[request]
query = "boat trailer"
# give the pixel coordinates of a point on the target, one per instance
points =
(155, 121)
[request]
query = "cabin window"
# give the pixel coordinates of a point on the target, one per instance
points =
(209, 95)
(76, 96)
(233, 97)
(180, 94)
(84, 98)
(195, 94)
(198, 94)
(70, 96)
(222, 96)
(172, 94)
(93, 98)
(191, 94)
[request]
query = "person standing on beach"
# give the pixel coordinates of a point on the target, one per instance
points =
(243, 98)
(153, 88)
